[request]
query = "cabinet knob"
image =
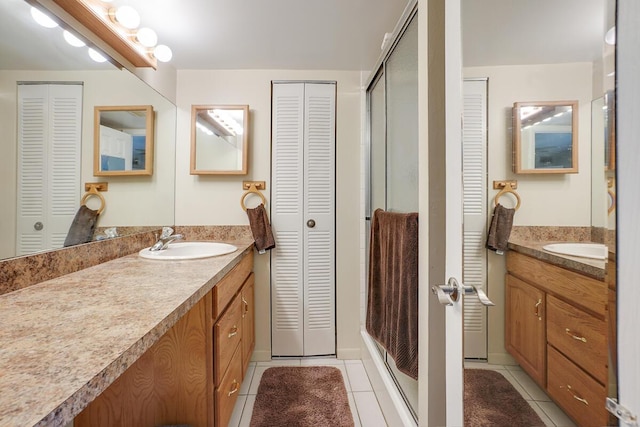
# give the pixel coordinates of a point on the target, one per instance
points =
(311, 223)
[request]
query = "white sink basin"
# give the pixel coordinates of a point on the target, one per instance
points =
(585, 250)
(189, 250)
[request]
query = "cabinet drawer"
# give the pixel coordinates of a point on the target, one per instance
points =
(579, 336)
(577, 393)
(588, 293)
(224, 291)
(227, 332)
(227, 392)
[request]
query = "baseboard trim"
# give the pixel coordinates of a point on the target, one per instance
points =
(501, 359)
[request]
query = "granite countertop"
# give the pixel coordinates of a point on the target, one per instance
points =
(64, 341)
(587, 266)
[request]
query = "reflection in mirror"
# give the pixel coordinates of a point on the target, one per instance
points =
(41, 55)
(545, 137)
(609, 130)
(219, 139)
(123, 140)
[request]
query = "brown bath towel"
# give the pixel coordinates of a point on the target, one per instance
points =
(500, 229)
(392, 306)
(82, 227)
(260, 228)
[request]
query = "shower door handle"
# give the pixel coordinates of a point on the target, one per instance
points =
(311, 223)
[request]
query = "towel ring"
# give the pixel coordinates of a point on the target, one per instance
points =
(93, 193)
(612, 201)
(252, 190)
(507, 189)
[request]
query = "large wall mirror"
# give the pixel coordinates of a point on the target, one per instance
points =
(123, 140)
(219, 139)
(40, 55)
(545, 137)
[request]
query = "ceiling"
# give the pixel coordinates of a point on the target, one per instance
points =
(328, 34)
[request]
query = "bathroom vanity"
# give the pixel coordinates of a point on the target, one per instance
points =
(130, 342)
(556, 328)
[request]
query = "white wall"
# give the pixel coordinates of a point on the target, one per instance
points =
(547, 200)
(215, 200)
(130, 200)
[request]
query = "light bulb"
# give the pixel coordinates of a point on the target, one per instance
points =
(72, 40)
(147, 37)
(128, 17)
(43, 19)
(96, 56)
(162, 53)
(610, 37)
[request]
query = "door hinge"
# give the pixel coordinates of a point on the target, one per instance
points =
(621, 412)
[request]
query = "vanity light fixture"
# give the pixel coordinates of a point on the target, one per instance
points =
(226, 121)
(72, 39)
(115, 28)
(96, 56)
(610, 37)
(126, 16)
(147, 37)
(42, 18)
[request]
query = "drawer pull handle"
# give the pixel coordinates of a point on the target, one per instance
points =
(246, 307)
(537, 307)
(236, 386)
(575, 337)
(576, 397)
(234, 331)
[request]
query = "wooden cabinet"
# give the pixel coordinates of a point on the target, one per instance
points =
(525, 327)
(248, 321)
(556, 329)
(193, 373)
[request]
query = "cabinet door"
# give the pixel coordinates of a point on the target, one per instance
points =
(525, 327)
(248, 316)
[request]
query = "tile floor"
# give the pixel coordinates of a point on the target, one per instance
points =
(547, 410)
(364, 406)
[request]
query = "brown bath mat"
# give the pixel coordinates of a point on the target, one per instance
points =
(491, 401)
(301, 396)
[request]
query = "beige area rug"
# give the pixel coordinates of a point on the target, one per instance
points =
(302, 396)
(491, 401)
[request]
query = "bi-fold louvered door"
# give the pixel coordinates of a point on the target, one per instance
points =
(49, 141)
(474, 172)
(303, 321)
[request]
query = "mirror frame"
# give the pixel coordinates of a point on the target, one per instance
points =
(517, 142)
(195, 109)
(149, 140)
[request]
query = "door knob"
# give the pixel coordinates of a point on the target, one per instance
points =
(311, 223)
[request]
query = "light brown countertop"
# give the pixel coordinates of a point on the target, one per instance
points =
(64, 341)
(590, 267)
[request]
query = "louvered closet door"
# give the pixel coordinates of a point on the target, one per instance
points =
(49, 140)
(303, 219)
(474, 171)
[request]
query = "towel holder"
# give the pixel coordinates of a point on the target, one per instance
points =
(506, 187)
(92, 190)
(253, 187)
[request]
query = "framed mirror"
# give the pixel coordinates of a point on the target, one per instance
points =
(123, 140)
(545, 137)
(219, 139)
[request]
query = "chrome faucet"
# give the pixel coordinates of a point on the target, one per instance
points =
(165, 238)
